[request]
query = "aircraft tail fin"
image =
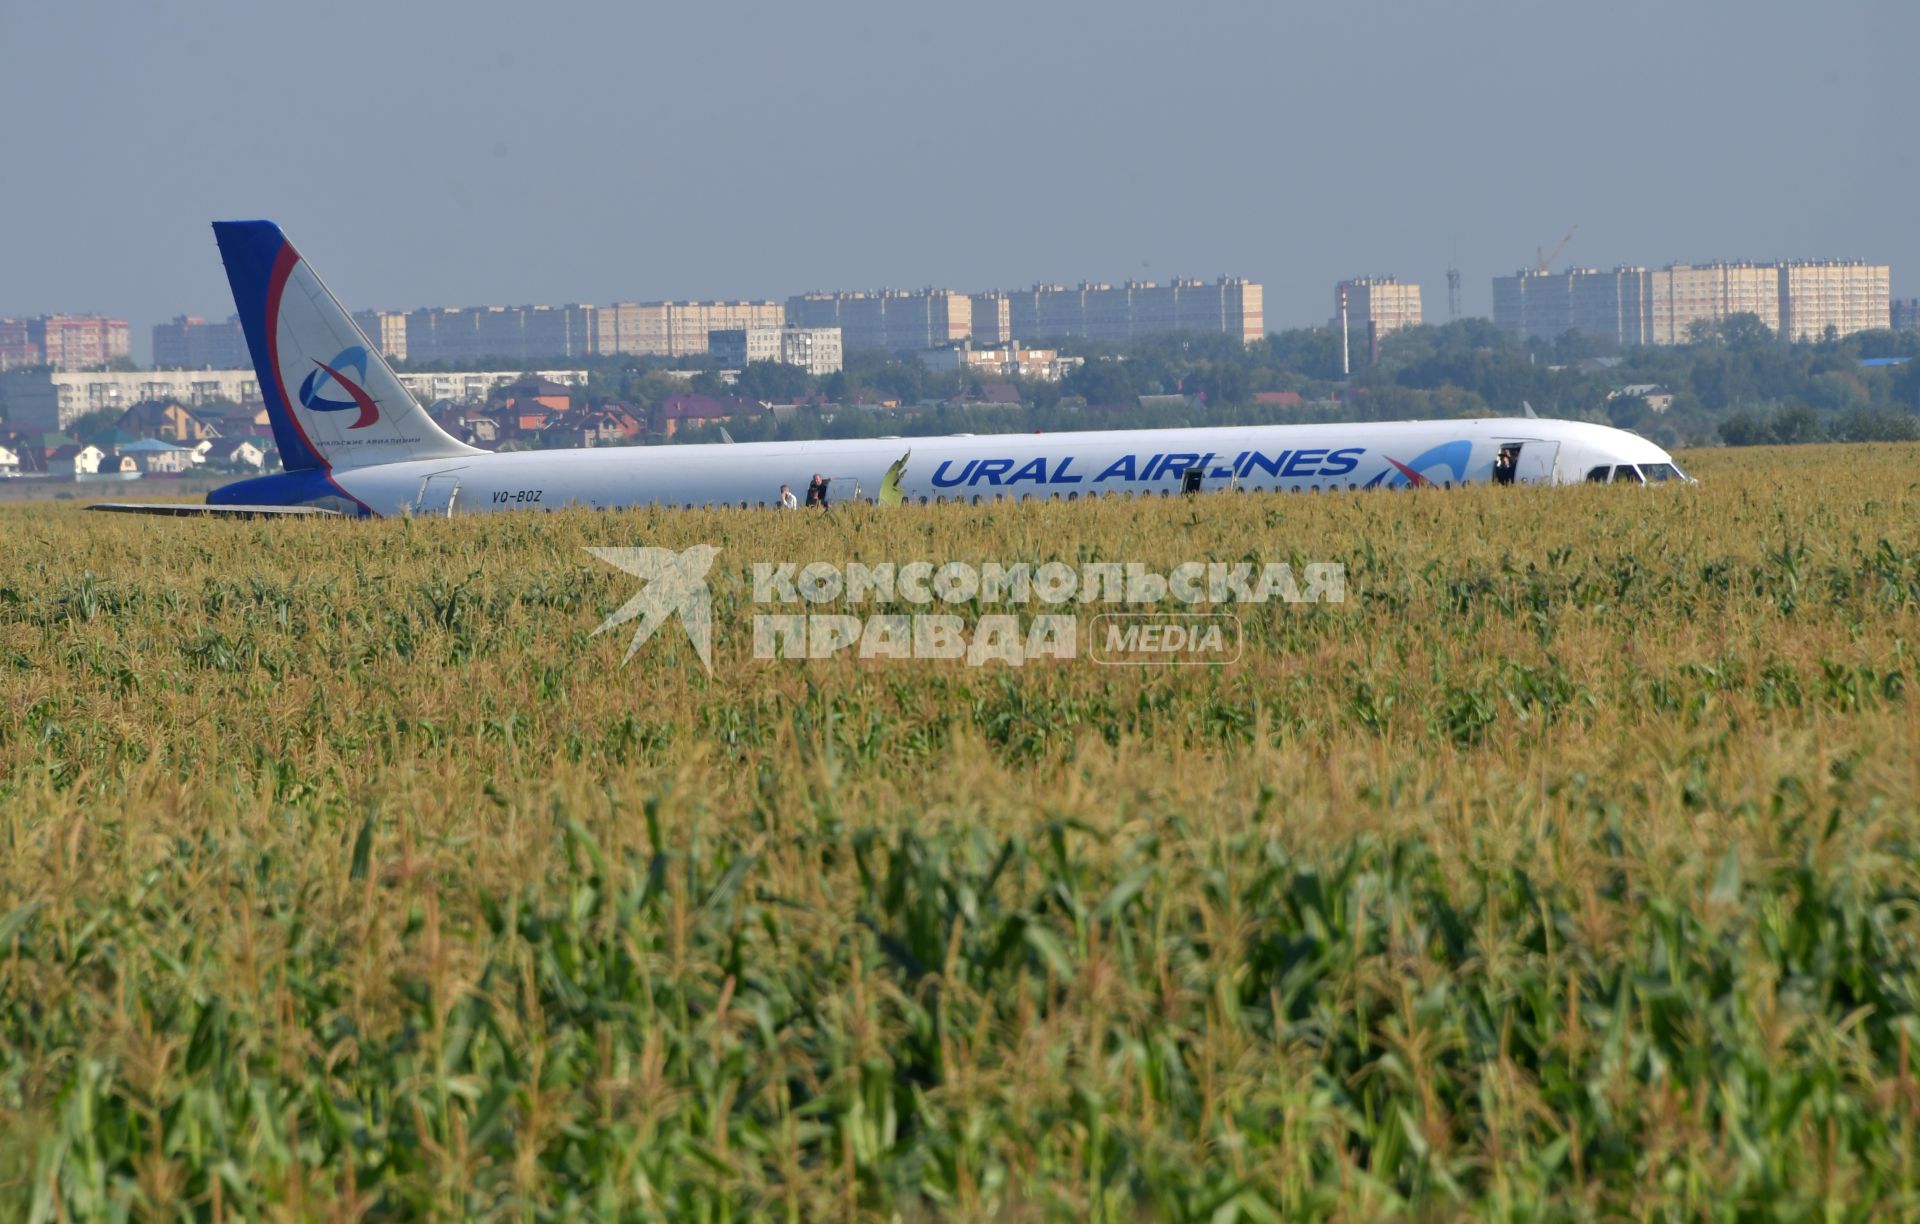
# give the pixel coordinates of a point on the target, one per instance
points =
(333, 400)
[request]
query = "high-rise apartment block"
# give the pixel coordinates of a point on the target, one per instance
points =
(1797, 300)
(814, 349)
(1377, 306)
(65, 342)
(387, 329)
(677, 329)
(938, 318)
(887, 318)
(15, 348)
(192, 343)
(1834, 297)
(992, 318)
(499, 333)
(1905, 315)
(1102, 311)
(521, 334)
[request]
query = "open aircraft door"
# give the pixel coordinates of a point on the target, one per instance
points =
(437, 496)
(1534, 464)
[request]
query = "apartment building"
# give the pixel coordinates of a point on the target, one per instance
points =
(1104, 311)
(65, 342)
(387, 329)
(1844, 297)
(190, 342)
(1798, 300)
(677, 329)
(48, 401)
(499, 333)
(1681, 295)
(1009, 360)
(816, 350)
(1376, 307)
(15, 348)
(889, 319)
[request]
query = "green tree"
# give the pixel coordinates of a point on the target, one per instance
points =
(1797, 423)
(1745, 429)
(1225, 383)
(1744, 330)
(1103, 381)
(773, 382)
(91, 426)
(1627, 411)
(1874, 425)
(709, 382)
(1906, 385)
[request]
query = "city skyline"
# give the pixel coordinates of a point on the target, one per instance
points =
(543, 331)
(494, 153)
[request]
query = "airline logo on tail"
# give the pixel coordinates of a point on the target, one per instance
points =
(327, 373)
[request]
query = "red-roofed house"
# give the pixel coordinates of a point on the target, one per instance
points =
(545, 392)
(675, 412)
(1278, 399)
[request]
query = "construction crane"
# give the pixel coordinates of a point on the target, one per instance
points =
(1558, 247)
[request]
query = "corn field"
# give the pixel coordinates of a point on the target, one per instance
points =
(1567, 869)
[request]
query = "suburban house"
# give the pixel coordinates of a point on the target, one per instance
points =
(542, 391)
(611, 425)
(241, 417)
(168, 420)
(470, 423)
(1657, 397)
(74, 459)
(154, 457)
(691, 411)
(529, 419)
(244, 453)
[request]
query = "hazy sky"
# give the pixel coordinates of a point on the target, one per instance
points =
(507, 152)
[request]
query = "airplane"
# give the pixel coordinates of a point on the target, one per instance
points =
(353, 441)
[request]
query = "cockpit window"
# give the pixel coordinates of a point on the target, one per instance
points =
(1625, 471)
(1657, 472)
(1598, 475)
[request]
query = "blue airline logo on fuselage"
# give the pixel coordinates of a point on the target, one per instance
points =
(1452, 457)
(1003, 473)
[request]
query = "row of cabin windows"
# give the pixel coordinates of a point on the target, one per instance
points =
(1603, 474)
(1122, 494)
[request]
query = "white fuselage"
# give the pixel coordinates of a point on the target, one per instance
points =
(983, 467)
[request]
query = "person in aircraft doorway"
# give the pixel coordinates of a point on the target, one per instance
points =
(1503, 465)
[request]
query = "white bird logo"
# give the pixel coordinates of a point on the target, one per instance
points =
(675, 582)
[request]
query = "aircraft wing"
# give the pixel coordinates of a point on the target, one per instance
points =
(195, 510)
